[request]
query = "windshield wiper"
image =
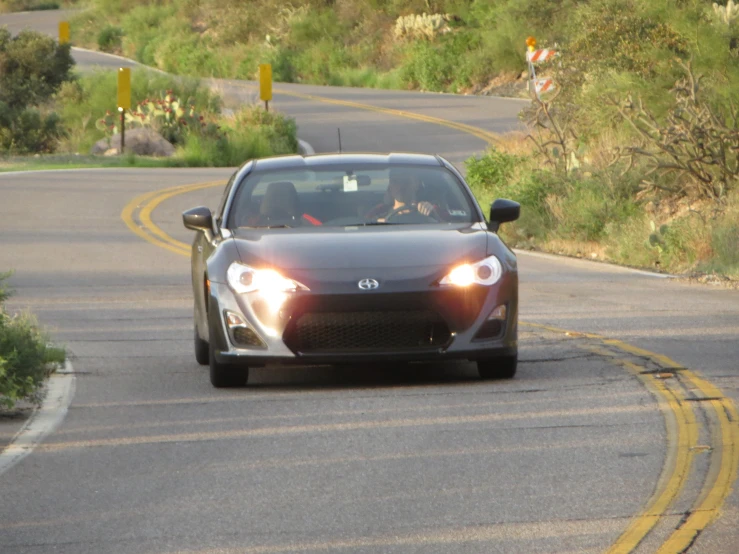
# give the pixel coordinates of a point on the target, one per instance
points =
(371, 223)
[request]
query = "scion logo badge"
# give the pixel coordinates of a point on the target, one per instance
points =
(368, 284)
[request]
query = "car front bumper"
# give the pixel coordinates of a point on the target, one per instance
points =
(462, 312)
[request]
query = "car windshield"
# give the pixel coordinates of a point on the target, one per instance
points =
(347, 196)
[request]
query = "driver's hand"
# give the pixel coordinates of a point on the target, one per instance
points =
(425, 208)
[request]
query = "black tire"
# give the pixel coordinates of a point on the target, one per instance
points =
(225, 375)
(202, 349)
(502, 367)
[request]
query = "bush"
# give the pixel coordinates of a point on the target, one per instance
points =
(226, 151)
(25, 354)
(251, 133)
(29, 131)
(109, 39)
(279, 130)
(32, 68)
(725, 243)
(28, 5)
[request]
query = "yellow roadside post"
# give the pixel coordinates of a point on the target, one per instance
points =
(63, 32)
(124, 99)
(265, 84)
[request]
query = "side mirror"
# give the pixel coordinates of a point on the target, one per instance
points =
(198, 219)
(501, 211)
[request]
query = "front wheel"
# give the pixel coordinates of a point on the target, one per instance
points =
(202, 349)
(502, 367)
(225, 375)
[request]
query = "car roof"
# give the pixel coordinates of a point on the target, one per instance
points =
(355, 158)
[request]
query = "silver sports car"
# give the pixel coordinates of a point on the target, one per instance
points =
(347, 258)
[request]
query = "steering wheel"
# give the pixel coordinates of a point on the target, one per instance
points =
(413, 210)
(399, 211)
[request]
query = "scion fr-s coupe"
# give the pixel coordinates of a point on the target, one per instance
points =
(343, 258)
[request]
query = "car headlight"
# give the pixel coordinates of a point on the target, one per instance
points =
(484, 272)
(243, 278)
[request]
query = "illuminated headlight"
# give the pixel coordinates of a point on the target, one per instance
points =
(485, 272)
(243, 278)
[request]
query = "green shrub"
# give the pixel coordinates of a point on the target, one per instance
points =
(25, 354)
(725, 243)
(226, 151)
(28, 131)
(32, 68)
(28, 5)
(5, 293)
(279, 130)
(497, 174)
(627, 243)
(251, 133)
(109, 39)
(493, 170)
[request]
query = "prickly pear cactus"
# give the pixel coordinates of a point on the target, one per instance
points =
(167, 115)
(657, 236)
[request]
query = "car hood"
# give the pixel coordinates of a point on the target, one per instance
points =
(361, 247)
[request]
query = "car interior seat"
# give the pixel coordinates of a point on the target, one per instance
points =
(280, 202)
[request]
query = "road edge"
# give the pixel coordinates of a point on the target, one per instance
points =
(60, 389)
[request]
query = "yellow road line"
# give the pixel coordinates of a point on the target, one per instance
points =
(148, 230)
(487, 136)
(714, 493)
(148, 207)
(677, 466)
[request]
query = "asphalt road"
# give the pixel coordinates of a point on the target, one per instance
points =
(593, 438)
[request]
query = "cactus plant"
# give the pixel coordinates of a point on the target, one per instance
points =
(726, 14)
(421, 26)
(167, 115)
(657, 236)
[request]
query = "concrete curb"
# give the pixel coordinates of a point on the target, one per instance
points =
(305, 149)
(59, 393)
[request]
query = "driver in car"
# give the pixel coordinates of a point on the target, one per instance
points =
(403, 191)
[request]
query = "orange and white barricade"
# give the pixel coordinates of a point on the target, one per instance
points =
(533, 56)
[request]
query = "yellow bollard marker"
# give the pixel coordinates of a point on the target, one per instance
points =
(63, 32)
(265, 84)
(124, 99)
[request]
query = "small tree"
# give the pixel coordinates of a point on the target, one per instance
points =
(697, 142)
(32, 68)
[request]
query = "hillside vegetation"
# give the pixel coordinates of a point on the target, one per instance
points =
(45, 108)
(632, 158)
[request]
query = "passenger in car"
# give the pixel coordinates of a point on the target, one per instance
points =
(281, 205)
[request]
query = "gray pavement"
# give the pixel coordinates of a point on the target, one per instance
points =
(425, 459)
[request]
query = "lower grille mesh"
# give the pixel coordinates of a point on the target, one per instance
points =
(367, 331)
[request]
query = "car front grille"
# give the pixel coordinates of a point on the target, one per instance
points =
(367, 331)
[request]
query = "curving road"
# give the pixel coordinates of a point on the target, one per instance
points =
(619, 432)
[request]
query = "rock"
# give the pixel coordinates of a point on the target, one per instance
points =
(141, 141)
